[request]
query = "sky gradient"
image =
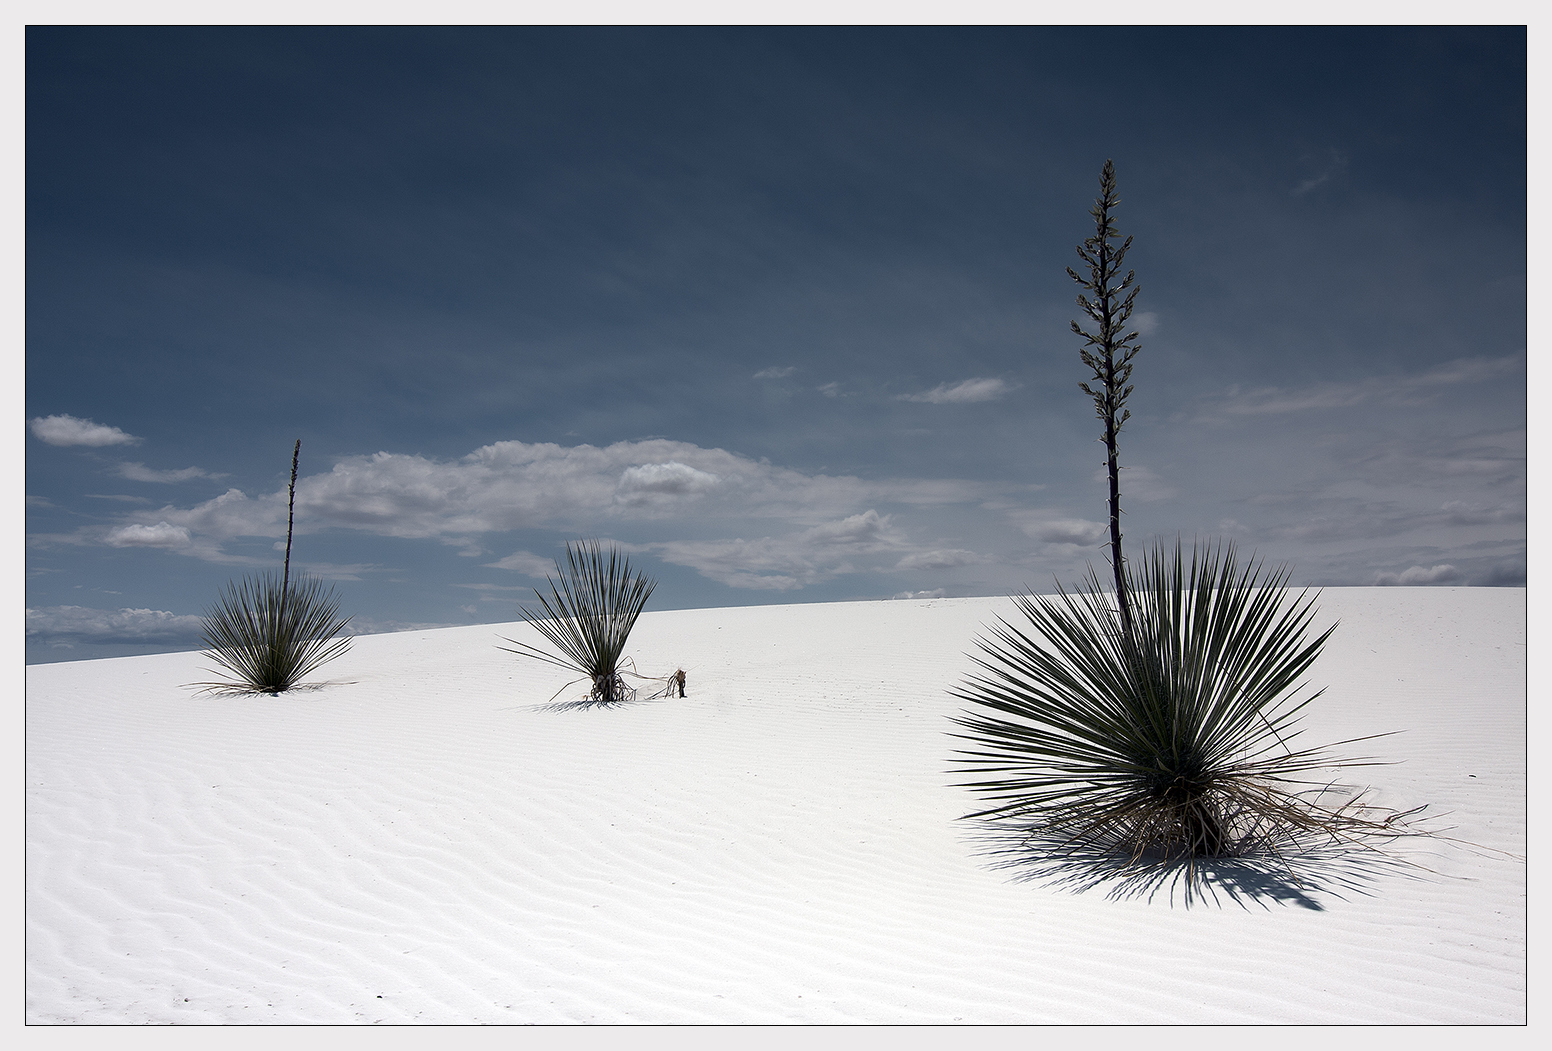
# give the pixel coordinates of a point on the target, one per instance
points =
(782, 312)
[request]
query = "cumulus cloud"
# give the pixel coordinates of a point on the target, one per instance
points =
(71, 430)
(651, 482)
(139, 472)
(786, 563)
(159, 535)
(68, 625)
(525, 562)
(776, 372)
(964, 391)
(939, 558)
(1049, 528)
(865, 530)
(1422, 576)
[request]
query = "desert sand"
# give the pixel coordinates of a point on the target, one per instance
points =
(424, 840)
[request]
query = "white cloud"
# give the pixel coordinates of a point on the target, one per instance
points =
(69, 430)
(1145, 322)
(526, 563)
(934, 593)
(940, 558)
(656, 482)
(776, 372)
(139, 472)
(1137, 483)
(159, 535)
(971, 390)
(864, 530)
(792, 561)
(1405, 390)
(67, 625)
(1421, 576)
(1050, 528)
(333, 570)
(830, 390)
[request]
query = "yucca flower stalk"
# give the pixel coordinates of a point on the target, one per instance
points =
(269, 633)
(1176, 740)
(593, 604)
(1108, 352)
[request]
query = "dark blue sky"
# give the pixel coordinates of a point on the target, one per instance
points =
(785, 311)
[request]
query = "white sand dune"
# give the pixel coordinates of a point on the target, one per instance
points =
(422, 842)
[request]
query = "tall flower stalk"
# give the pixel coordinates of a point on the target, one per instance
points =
(1109, 351)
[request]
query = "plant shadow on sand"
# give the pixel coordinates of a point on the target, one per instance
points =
(1297, 872)
(582, 704)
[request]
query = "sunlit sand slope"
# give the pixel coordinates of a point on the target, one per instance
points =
(424, 841)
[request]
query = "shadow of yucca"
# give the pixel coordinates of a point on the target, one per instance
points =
(1280, 866)
(623, 696)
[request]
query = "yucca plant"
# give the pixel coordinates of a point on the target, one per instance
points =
(268, 632)
(1176, 741)
(593, 604)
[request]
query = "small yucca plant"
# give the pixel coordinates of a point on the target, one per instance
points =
(588, 616)
(269, 632)
(1173, 741)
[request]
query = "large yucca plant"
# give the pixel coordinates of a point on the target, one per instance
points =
(1174, 741)
(593, 604)
(269, 632)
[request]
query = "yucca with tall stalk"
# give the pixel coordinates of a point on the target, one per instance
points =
(270, 632)
(1155, 718)
(593, 603)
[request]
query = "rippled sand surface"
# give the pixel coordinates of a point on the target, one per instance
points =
(424, 840)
